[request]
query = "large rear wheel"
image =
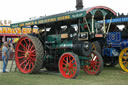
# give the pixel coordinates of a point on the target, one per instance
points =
(96, 64)
(123, 59)
(69, 65)
(29, 54)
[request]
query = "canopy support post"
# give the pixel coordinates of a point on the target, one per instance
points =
(87, 25)
(104, 25)
(93, 24)
(108, 27)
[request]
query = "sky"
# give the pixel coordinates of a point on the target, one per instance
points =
(20, 10)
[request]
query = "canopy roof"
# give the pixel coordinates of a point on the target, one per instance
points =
(116, 21)
(64, 16)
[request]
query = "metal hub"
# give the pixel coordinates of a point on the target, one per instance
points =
(67, 65)
(27, 54)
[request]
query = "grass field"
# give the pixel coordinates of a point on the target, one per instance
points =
(109, 76)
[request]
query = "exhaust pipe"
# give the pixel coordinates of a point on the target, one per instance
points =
(79, 4)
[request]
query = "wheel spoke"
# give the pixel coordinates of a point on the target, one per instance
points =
(124, 57)
(64, 64)
(29, 65)
(126, 53)
(31, 47)
(94, 68)
(70, 72)
(23, 62)
(26, 65)
(33, 59)
(97, 62)
(74, 63)
(33, 55)
(67, 60)
(21, 51)
(73, 70)
(23, 46)
(126, 64)
(32, 51)
(90, 67)
(26, 43)
(70, 59)
(98, 66)
(21, 57)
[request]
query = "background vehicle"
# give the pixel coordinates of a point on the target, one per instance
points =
(115, 46)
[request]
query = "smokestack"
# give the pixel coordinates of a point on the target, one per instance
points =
(79, 4)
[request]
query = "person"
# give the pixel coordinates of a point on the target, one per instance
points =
(5, 56)
(10, 46)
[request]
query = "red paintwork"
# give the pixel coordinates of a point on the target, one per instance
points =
(70, 71)
(94, 66)
(25, 63)
(102, 7)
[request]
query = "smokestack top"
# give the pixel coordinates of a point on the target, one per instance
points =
(79, 4)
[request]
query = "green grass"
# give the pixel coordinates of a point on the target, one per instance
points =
(109, 76)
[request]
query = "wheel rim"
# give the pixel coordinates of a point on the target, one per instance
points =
(25, 55)
(67, 65)
(94, 67)
(123, 59)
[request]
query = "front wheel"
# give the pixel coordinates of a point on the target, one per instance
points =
(123, 59)
(69, 65)
(96, 64)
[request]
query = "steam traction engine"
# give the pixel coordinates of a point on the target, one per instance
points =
(115, 46)
(64, 42)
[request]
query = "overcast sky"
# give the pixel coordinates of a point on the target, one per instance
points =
(20, 10)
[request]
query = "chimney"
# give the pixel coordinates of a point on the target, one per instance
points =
(79, 4)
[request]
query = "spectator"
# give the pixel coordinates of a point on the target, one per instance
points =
(5, 56)
(10, 46)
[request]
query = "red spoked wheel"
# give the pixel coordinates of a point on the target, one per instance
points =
(96, 64)
(69, 65)
(29, 54)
